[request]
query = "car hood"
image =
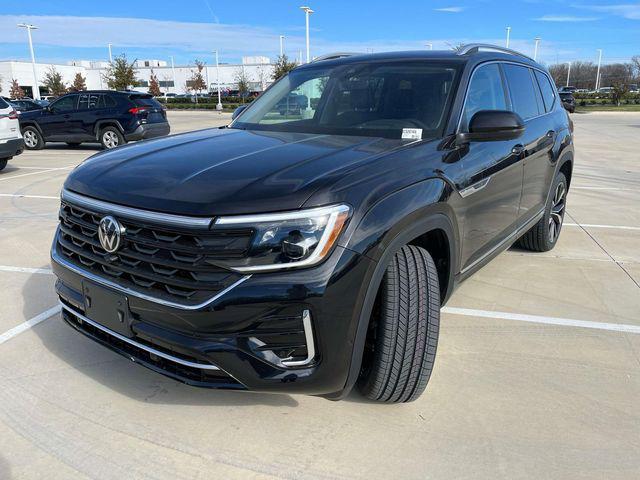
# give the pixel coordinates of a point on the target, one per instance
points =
(223, 171)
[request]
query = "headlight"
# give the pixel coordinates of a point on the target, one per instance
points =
(287, 240)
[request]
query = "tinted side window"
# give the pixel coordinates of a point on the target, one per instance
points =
(485, 92)
(522, 90)
(3, 103)
(65, 104)
(109, 102)
(88, 101)
(548, 93)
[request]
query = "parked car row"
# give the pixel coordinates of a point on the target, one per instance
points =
(108, 117)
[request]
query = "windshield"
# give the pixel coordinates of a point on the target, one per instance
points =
(369, 99)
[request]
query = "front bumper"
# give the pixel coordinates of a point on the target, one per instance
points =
(11, 148)
(229, 333)
(149, 130)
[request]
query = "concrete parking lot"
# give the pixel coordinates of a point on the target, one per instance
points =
(537, 375)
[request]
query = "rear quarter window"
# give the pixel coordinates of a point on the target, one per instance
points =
(145, 101)
(548, 92)
(522, 91)
(3, 103)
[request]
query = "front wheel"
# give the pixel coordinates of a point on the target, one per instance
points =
(543, 236)
(403, 335)
(3, 163)
(110, 137)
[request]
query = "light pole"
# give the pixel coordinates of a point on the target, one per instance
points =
(219, 105)
(173, 73)
(598, 71)
(36, 90)
(568, 72)
(508, 35)
(281, 45)
(110, 56)
(429, 46)
(535, 51)
(307, 12)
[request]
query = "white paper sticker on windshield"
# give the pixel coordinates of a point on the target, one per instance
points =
(411, 133)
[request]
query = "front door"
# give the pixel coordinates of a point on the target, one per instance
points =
(54, 121)
(491, 175)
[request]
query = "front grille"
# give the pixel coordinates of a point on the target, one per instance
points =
(171, 263)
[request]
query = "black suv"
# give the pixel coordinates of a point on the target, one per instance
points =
(109, 117)
(311, 252)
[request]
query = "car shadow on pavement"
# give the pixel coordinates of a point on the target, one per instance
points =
(121, 375)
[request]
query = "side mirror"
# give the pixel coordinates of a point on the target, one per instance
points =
(238, 111)
(493, 125)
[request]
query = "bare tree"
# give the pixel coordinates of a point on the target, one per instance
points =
(243, 83)
(15, 90)
(196, 82)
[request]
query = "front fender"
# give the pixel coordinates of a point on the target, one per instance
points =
(381, 232)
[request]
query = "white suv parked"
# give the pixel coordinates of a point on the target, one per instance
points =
(11, 142)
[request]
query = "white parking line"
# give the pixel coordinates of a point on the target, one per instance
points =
(593, 225)
(34, 173)
(565, 322)
(615, 189)
(9, 268)
(17, 330)
(19, 195)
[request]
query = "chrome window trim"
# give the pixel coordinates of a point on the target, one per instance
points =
(166, 356)
(108, 283)
(308, 336)
(475, 69)
(135, 213)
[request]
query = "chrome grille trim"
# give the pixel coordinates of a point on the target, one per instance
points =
(135, 213)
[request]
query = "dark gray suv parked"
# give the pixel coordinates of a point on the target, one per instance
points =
(109, 117)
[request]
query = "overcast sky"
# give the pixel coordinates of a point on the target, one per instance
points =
(187, 30)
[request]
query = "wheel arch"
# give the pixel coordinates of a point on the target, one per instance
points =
(100, 124)
(431, 226)
(33, 124)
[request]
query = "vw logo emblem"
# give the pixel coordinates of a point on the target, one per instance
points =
(110, 233)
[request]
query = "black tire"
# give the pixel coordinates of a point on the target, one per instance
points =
(32, 138)
(73, 144)
(541, 237)
(3, 163)
(110, 137)
(403, 335)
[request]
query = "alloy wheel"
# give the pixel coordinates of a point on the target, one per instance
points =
(110, 139)
(30, 139)
(557, 212)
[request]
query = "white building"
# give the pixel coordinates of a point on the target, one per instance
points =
(258, 71)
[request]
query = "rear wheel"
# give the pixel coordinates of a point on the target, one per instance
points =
(543, 235)
(32, 138)
(110, 137)
(403, 335)
(3, 163)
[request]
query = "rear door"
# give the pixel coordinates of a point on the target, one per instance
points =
(538, 138)
(84, 118)
(492, 173)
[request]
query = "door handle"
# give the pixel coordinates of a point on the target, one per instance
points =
(66, 116)
(517, 149)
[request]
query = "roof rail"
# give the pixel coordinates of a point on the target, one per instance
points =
(333, 56)
(471, 48)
